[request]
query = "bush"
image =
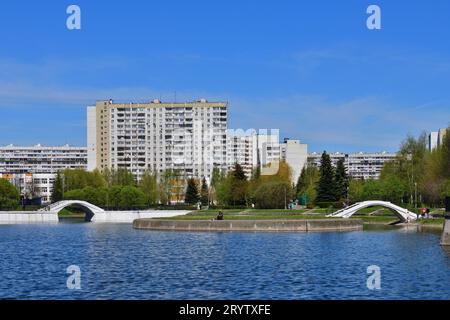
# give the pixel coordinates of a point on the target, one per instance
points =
(273, 195)
(9, 196)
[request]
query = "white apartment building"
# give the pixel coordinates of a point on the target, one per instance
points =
(33, 169)
(240, 149)
(296, 155)
(436, 138)
(189, 137)
(359, 165)
(251, 149)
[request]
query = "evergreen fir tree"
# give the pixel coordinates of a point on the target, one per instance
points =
(342, 181)
(326, 189)
(239, 185)
(204, 193)
(192, 196)
(58, 192)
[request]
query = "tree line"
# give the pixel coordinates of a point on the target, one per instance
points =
(415, 177)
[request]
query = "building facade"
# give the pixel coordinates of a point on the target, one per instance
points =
(189, 138)
(252, 149)
(436, 138)
(359, 165)
(296, 155)
(33, 169)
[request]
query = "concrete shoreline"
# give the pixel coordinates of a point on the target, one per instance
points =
(445, 239)
(24, 217)
(278, 225)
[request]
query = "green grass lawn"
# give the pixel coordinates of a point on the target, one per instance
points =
(245, 217)
(383, 217)
(71, 213)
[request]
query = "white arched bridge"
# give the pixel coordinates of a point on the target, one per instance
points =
(404, 214)
(58, 206)
(97, 214)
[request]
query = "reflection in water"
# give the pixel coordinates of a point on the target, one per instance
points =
(446, 250)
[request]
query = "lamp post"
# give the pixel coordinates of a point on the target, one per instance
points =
(415, 194)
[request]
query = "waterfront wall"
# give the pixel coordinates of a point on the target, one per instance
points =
(318, 225)
(17, 217)
(130, 216)
(445, 240)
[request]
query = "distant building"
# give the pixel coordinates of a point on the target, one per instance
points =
(251, 149)
(433, 138)
(295, 154)
(33, 169)
(241, 149)
(359, 165)
(436, 138)
(441, 136)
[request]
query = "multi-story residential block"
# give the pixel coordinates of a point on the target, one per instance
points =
(32, 169)
(441, 136)
(251, 149)
(359, 165)
(436, 138)
(295, 154)
(188, 137)
(433, 138)
(240, 149)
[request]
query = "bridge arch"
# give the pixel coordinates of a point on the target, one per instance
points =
(91, 209)
(404, 214)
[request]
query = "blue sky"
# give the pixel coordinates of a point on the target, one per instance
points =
(310, 68)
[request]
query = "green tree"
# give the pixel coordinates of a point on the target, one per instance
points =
(57, 190)
(273, 195)
(192, 196)
(75, 194)
(149, 185)
(307, 183)
(224, 190)
(123, 177)
(165, 186)
(341, 179)
(9, 196)
(372, 190)
(114, 197)
(216, 177)
(239, 185)
(75, 179)
(204, 193)
(326, 188)
(96, 179)
(355, 190)
(130, 197)
(393, 189)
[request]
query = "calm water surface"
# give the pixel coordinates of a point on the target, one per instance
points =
(118, 262)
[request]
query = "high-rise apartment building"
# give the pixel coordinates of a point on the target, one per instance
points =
(295, 154)
(436, 138)
(359, 165)
(189, 137)
(433, 138)
(33, 169)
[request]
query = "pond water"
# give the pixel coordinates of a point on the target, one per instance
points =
(118, 262)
